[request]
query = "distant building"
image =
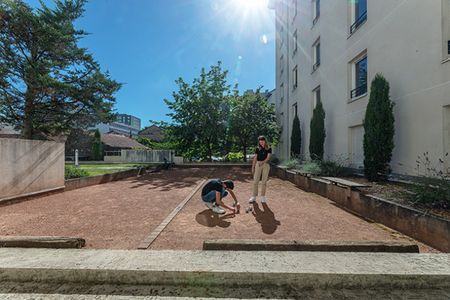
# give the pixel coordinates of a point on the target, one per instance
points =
(125, 124)
(7, 131)
(117, 142)
(153, 133)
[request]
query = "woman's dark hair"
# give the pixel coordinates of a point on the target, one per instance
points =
(229, 184)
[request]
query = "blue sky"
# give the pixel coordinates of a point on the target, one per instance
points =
(148, 44)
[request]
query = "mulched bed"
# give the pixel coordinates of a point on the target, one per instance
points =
(397, 192)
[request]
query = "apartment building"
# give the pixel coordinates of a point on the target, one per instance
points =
(330, 50)
(125, 124)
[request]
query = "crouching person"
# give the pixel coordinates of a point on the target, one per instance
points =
(213, 193)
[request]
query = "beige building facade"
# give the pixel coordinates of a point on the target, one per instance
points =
(331, 50)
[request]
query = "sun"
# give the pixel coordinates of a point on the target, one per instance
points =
(250, 6)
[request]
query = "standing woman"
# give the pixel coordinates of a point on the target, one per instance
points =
(261, 168)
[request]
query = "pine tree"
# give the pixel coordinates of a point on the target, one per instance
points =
(378, 131)
(296, 138)
(97, 147)
(317, 137)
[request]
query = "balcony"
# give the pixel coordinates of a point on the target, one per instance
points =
(359, 91)
(316, 65)
(362, 18)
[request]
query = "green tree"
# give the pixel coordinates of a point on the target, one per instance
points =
(296, 138)
(97, 146)
(250, 117)
(378, 131)
(48, 84)
(317, 137)
(199, 113)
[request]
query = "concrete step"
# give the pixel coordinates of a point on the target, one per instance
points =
(219, 274)
(316, 245)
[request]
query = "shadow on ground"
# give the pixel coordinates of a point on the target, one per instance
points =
(266, 218)
(210, 219)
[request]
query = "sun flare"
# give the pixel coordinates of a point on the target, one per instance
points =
(250, 6)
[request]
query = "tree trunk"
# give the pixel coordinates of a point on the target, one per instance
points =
(28, 128)
(244, 150)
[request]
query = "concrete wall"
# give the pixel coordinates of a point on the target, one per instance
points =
(142, 156)
(429, 229)
(404, 40)
(30, 166)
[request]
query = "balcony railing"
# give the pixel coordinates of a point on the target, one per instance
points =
(316, 65)
(362, 18)
(361, 90)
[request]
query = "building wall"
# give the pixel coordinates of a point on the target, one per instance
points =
(406, 41)
(30, 166)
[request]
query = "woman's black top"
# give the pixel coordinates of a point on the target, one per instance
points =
(261, 153)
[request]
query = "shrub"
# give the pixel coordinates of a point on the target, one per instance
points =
(334, 169)
(97, 147)
(317, 136)
(234, 156)
(292, 164)
(71, 172)
(378, 131)
(274, 160)
(433, 186)
(312, 167)
(296, 138)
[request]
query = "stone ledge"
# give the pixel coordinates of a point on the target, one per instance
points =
(297, 270)
(324, 246)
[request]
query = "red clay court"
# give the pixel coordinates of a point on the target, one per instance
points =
(123, 214)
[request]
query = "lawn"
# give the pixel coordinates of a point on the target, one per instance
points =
(100, 169)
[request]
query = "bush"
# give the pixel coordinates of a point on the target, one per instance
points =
(97, 147)
(71, 172)
(292, 164)
(234, 156)
(378, 131)
(317, 136)
(312, 167)
(333, 169)
(296, 138)
(433, 186)
(274, 160)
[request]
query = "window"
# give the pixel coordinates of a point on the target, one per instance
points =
(294, 8)
(281, 92)
(295, 77)
(281, 65)
(316, 97)
(359, 14)
(316, 10)
(295, 43)
(316, 54)
(294, 110)
(446, 29)
(359, 78)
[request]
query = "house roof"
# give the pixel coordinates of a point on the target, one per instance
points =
(153, 132)
(120, 141)
(8, 132)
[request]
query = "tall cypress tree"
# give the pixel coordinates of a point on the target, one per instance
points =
(317, 137)
(97, 146)
(378, 131)
(296, 138)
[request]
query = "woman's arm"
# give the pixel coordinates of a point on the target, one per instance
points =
(269, 155)
(254, 163)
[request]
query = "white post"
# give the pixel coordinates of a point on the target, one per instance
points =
(76, 157)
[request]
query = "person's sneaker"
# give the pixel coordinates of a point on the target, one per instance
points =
(252, 200)
(209, 205)
(218, 210)
(263, 199)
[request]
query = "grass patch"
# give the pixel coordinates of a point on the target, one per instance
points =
(101, 169)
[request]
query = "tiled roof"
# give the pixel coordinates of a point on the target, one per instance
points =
(120, 141)
(153, 132)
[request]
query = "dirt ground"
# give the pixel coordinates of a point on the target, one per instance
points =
(120, 215)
